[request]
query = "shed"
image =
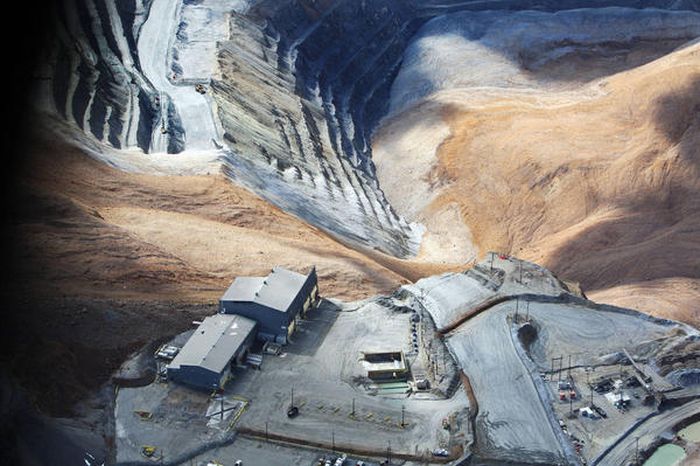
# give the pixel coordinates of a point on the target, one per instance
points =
(205, 360)
(388, 365)
(275, 302)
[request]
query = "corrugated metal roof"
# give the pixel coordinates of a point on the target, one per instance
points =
(276, 291)
(215, 342)
(243, 289)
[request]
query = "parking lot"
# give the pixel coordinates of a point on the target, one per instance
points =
(337, 403)
(323, 365)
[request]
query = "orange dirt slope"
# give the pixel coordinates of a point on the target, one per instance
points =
(601, 188)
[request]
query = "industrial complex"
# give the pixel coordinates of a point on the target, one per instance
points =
(263, 308)
(494, 364)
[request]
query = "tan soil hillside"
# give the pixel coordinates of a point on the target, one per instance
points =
(105, 261)
(90, 230)
(599, 184)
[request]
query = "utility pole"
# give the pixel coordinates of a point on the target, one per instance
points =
(569, 372)
(527, 317)
(333, 440)
(517, 302)
(521, 272)
(492, 254)
(561, 363)
(560, 358)
(636, 451)
(353, 408)
(292, 405)
(222, 406)
(388, 453)
(571, 406)
(403, 416)
(267, 435)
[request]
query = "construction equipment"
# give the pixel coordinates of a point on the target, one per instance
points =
(144, 415)
(200, 88)
(148, 451)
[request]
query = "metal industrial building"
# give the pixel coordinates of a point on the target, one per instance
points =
(205, 360)
(275, 302)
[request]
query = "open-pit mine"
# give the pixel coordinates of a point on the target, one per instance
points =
(356, 232)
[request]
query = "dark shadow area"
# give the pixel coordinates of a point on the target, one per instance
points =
(585, 63)
(311, 332)
(678, 113)
(24, 36)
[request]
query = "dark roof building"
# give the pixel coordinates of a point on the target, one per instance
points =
(276, 302)
(205, 360)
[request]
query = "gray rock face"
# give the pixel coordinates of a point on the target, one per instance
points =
(299, 87)
(303, 85)
(296, 100)
(96, 80)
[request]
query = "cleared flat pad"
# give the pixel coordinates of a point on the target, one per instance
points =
(448, 297)
(516, 421)
(588, 333)
(511, 424)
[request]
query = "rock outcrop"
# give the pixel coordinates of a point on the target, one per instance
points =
(96, 78)
(296, 92)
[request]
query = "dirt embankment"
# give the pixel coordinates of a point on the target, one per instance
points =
(104, 261)
(598, 183)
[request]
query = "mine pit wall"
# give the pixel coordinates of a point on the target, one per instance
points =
(303, 85)
(294, 95)
(95, 80)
